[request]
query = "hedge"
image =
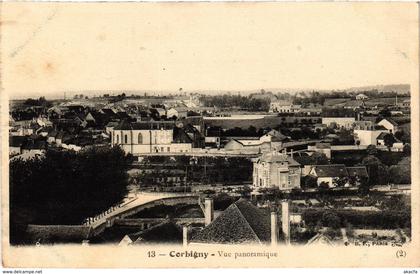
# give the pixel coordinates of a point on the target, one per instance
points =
(362, 219)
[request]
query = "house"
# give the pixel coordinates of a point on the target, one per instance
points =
(240, 223)
(389, 124)
(281, 106)
(275, 169)
(368, 137)
(361, 96)
(15, 144)
(166, 232)
(148, 137)
(311, 109)
(329, 174)
(320, 239)
(178, 112)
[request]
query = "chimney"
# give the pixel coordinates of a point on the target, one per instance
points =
(185, 235)
(285, 221)
(274, 229)
(291, 153)
(208, 211)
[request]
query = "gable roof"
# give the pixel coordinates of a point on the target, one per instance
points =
(320, 238)
(331, 170)
(391, 121)
(241, 222)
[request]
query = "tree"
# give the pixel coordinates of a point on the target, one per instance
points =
(401, 173)
(65, 187)
(389, 140)
(371, 150)
(377, 171)
(331, 219)
(319, 158)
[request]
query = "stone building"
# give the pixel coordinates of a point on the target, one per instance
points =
(276, 169)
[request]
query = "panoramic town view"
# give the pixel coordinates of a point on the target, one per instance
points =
(269, 167)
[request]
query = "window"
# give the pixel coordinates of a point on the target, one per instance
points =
(140, 139)
(125, 139)
(169, 149)
(118, 139)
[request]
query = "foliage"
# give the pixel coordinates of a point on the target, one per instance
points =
(389, 219)
(330, 219)
(401, 173)
(65, 187)
(41, 101)
(377, 171)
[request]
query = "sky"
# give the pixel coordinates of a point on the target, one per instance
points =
(51, 48)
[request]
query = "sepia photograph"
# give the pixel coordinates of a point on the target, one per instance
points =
(169, 129)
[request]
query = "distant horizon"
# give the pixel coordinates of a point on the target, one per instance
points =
(98, 93)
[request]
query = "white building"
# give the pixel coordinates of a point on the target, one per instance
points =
(147, 137)
(341, 122)
(275, 169)
(284, 106)
(361, 96)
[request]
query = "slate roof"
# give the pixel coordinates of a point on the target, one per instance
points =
(241, 222)
(278, 157)
(381, 136)
(320, 239)
(359, 171)
(166, 232)
(331, 171)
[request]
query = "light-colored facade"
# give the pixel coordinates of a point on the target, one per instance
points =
(275, 169)
(153, 140)
(341, 122)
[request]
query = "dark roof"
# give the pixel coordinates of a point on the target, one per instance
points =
(180, 136)
(331, 170)
(145, 125)
(241, 222)
(57, 233)
(303, 160)
(359, 171)
(16, 141)
(166, 232)
(381, 136)
(394, 123)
